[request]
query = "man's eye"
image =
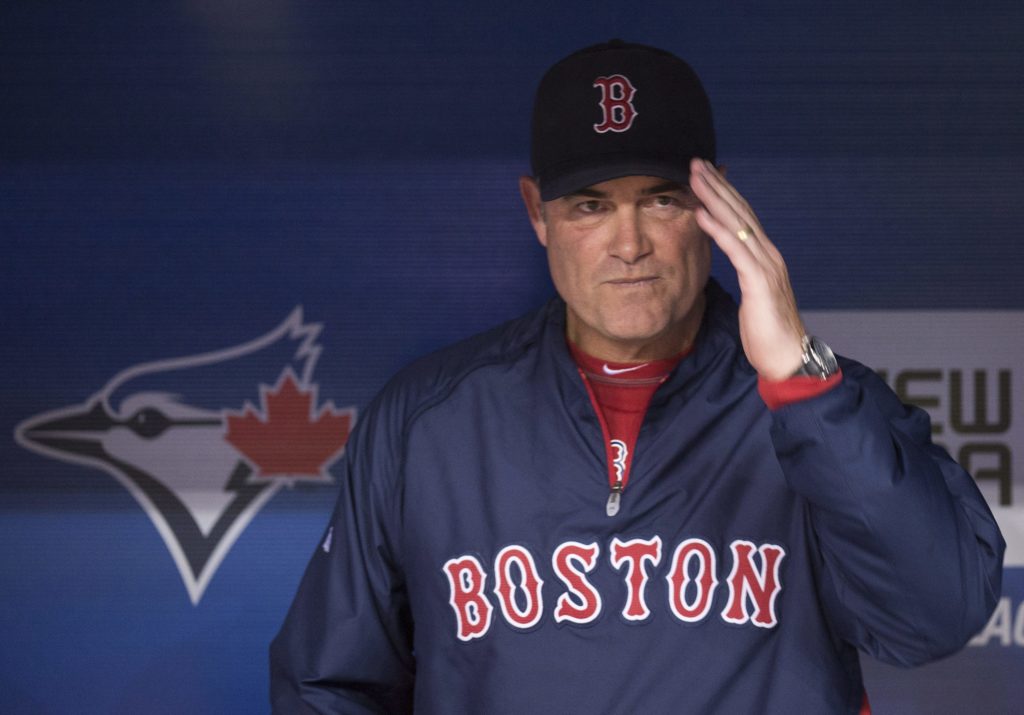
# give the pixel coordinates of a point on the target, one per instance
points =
(589, 207)
(677, 202)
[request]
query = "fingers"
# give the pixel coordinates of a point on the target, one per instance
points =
(727, 217)
(720, 221)
(724, 193)
(770, 325)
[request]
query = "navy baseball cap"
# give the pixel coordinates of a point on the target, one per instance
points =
(618, 109)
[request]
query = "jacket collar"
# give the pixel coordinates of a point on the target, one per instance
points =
(717, 341)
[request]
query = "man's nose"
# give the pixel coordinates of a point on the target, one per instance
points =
(630, 242)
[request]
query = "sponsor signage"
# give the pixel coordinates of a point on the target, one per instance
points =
(965, 369)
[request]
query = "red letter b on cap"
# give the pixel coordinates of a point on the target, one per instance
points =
(616, 104)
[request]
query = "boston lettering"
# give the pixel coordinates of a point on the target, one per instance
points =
(691, 577)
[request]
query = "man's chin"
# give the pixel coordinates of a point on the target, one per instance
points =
(635, 338)
(633, 326)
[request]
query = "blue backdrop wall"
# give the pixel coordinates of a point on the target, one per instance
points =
(214, 212)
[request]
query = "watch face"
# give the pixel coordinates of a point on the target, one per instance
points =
(822, 361)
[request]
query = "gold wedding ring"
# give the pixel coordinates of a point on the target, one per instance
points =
(744, 233)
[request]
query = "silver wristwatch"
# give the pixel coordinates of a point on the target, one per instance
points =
(819, 360)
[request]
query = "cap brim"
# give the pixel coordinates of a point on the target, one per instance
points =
(561, 183)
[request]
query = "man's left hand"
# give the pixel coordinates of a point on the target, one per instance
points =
(770, 325)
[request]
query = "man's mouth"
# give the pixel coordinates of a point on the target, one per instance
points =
(638, 281)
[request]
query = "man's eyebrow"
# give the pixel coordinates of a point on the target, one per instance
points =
(662, 188)
(589, 193)
(665, 187)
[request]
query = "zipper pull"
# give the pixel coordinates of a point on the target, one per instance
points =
(612, 508)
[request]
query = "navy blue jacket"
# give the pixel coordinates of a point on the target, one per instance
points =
(470, 565)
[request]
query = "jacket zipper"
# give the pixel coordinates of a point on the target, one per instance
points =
(612, 507)
(615, 481)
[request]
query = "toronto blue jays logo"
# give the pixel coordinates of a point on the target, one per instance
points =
(184, 436)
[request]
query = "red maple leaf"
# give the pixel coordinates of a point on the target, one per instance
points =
(288, 439)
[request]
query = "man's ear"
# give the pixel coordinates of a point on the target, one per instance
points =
(530, 192)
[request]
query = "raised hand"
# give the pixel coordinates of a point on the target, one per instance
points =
(770, 325)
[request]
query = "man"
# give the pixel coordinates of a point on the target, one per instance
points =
(639, 499)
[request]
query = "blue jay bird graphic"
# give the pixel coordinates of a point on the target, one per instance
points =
(161, 429)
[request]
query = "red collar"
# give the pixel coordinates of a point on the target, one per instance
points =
(624, 373)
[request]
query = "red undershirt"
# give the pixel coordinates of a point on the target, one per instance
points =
(621, 393)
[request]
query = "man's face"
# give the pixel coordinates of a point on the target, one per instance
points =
(630, 262)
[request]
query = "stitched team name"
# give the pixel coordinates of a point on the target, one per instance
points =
(753, 584)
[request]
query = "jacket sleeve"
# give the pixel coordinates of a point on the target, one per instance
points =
(911, 557)
(345, 646)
